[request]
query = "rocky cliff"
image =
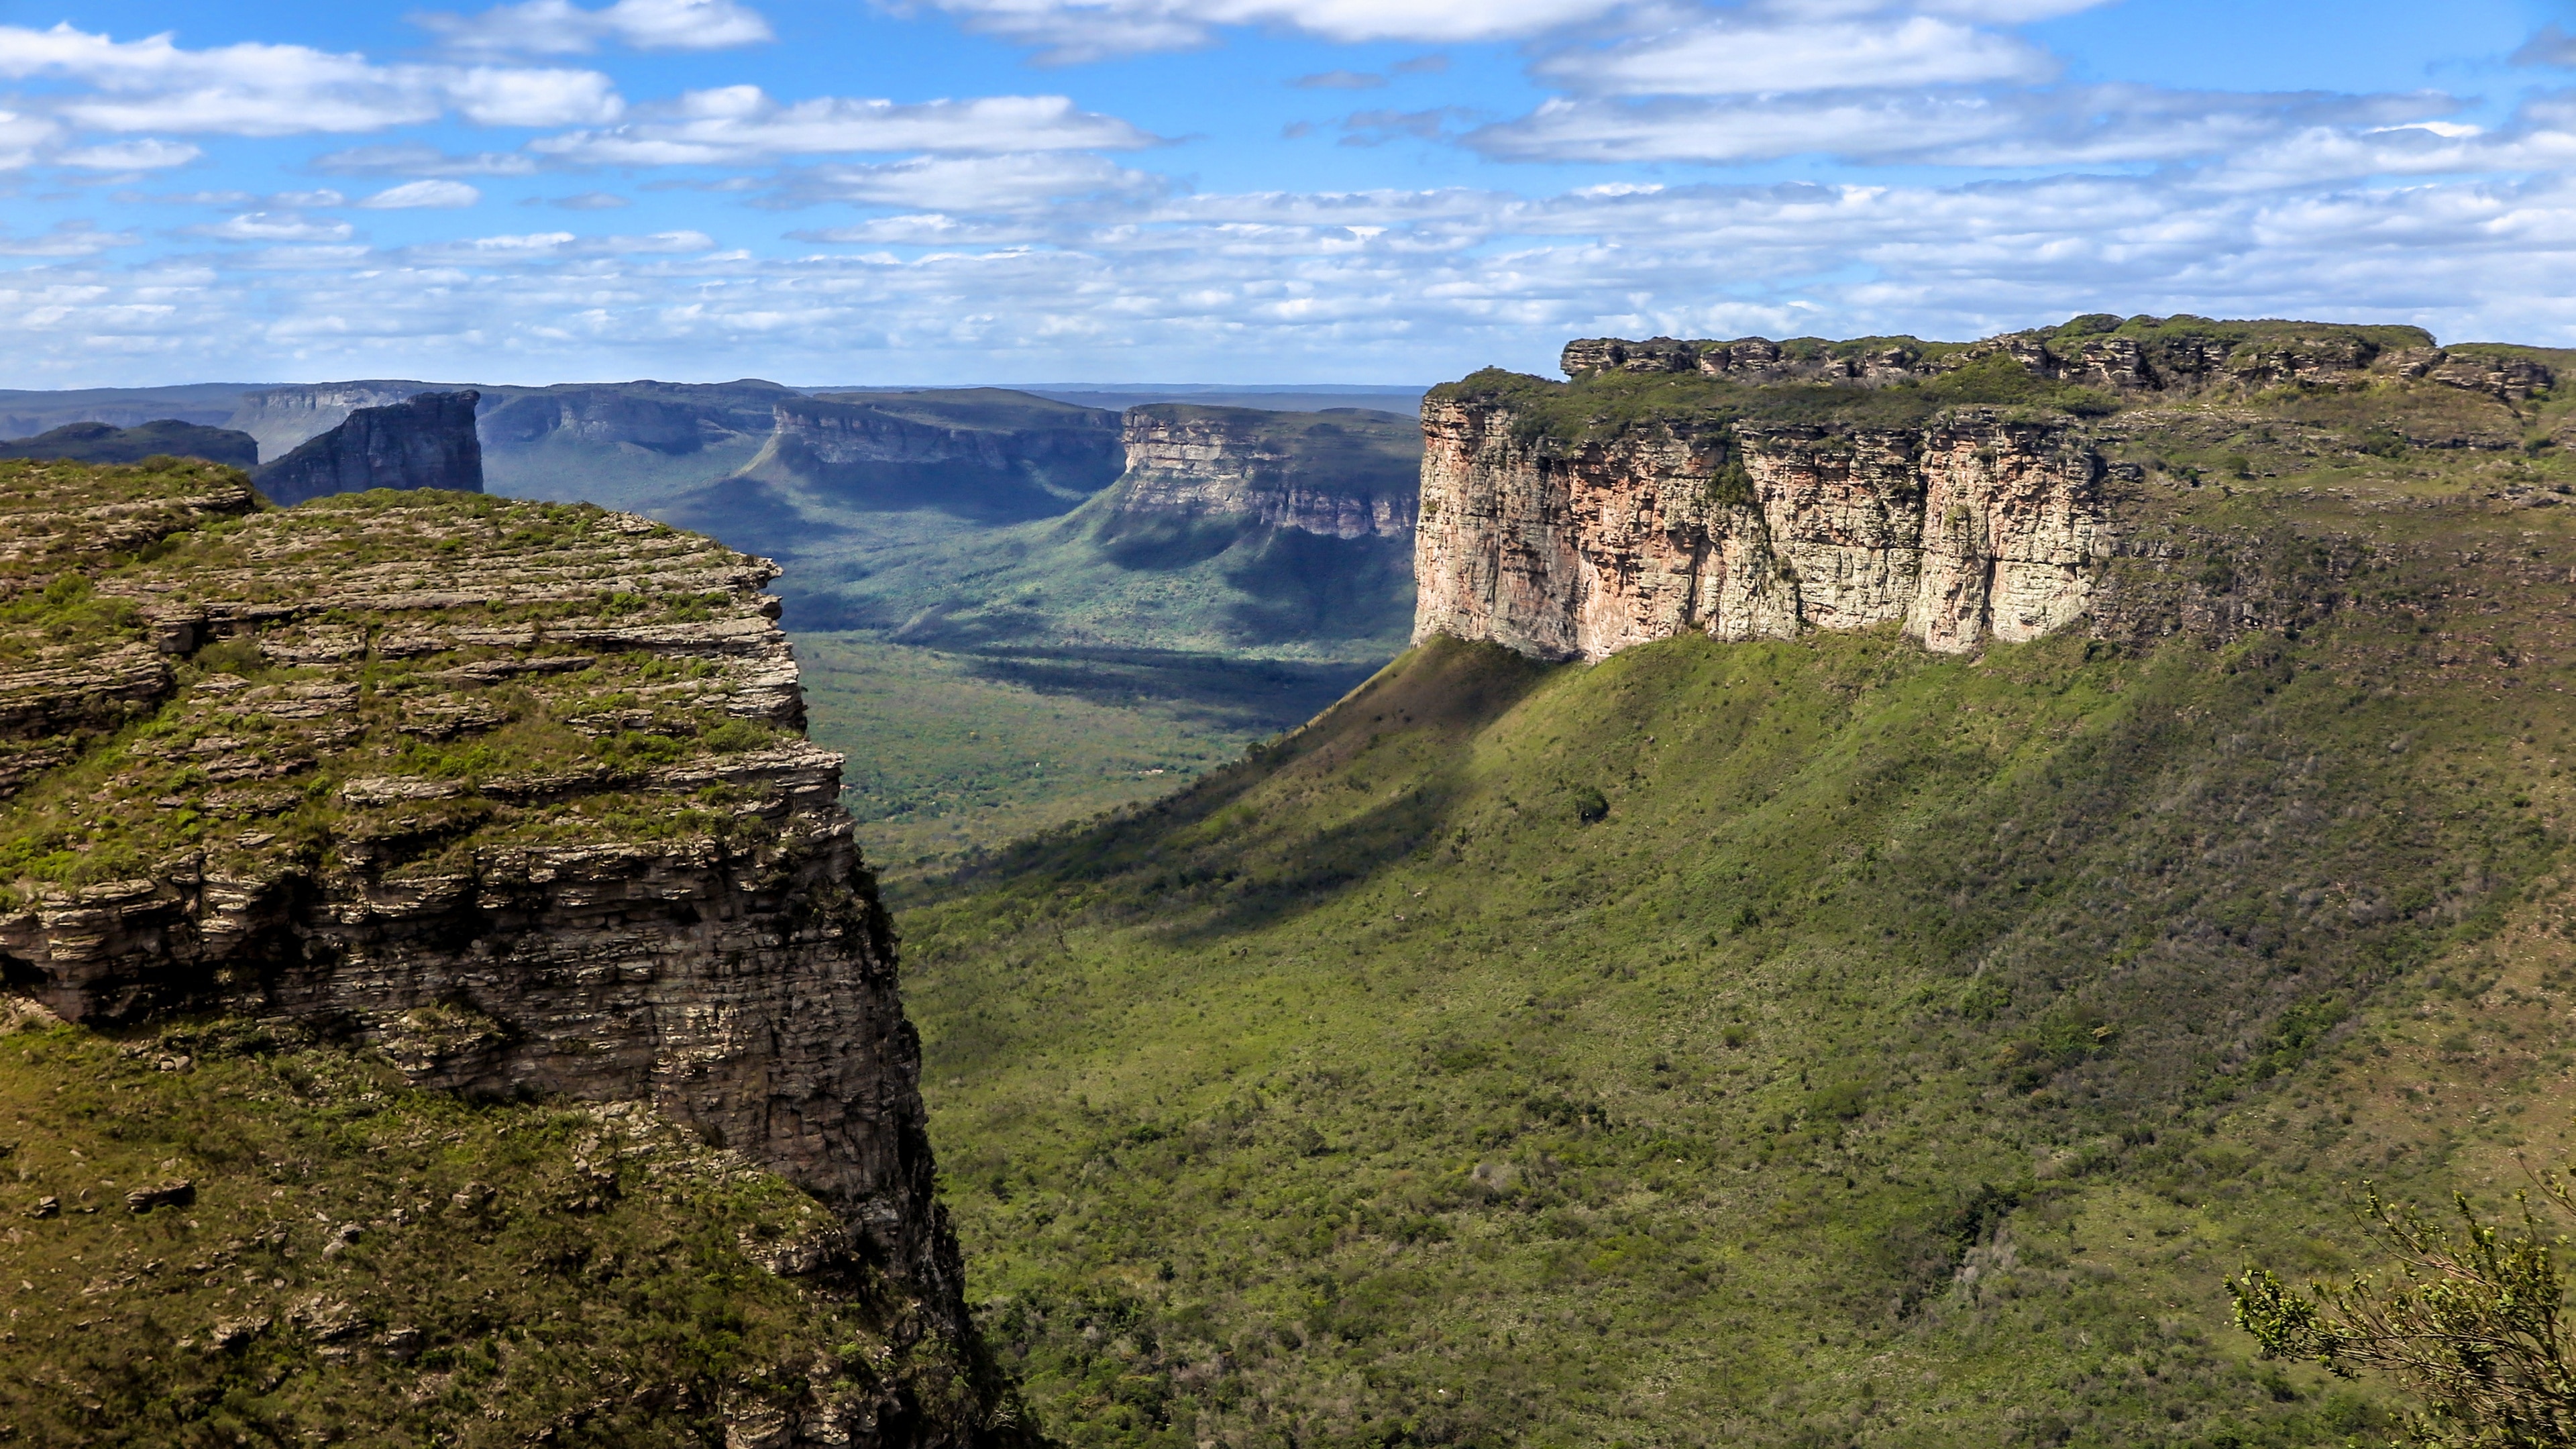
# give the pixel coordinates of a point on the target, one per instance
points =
(667, 418)
(1343, 473)
(984, 453)
(425, 441)
(284, 418)
(516, 794)
(2000, 490)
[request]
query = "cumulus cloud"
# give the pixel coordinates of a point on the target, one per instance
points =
(1748, 56)
(984, 185)
(557, 27)
(556, 246)
(738, 125)
(1079, 30)
(67, 239)
(415, 159)
(253, 89)
(414, 195)
(2091, 125)
(271, 226)
(142, 155)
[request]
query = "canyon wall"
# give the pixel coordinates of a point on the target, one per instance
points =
(1344, 473)
(516, 793)
(427, 440)
(284, 418)
(1971, 529)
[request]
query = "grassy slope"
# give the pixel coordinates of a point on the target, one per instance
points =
(571, 1276)
(1902, 1059)
(561, 469)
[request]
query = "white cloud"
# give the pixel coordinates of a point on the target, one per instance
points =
(587, 201)
(986, 185)
(1738, 57)
(23, 138)
(413, 195)
(253, 89)
(273, 226)
(143, 155)
(557, 27)
(740, 124)
(552, 246)
(67, 239)
(413, 158)
(1075, 30)
(2091, 125)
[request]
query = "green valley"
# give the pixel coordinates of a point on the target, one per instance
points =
(1804, 1041)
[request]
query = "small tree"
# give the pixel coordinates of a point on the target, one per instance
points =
(2471, 1321)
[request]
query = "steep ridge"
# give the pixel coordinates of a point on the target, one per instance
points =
(513, 796)
(1811, 1036)
(285, 418)
(622, 445)
(425, 441)
(1341, 473)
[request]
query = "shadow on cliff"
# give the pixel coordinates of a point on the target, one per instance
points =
(1300, 585)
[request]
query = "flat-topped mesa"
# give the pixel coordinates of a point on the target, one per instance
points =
(1342, 473)
(1959, 492)
(284, 418)
(1970, 529)
(2157, 354)
(425, 441)
(516, 792)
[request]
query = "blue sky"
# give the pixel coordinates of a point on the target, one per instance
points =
(1242, 190)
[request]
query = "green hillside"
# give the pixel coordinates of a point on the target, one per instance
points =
(1815, 1042)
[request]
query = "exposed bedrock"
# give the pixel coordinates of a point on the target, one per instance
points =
(284, 418)
(1969, 529)
(1343, 473)
(427, 440)
(516, 793)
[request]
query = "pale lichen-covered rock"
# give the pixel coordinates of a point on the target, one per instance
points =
(1343, 473)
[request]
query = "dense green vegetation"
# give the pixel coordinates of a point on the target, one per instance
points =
(954, 754)
(1797, 1042)
(353, 1261)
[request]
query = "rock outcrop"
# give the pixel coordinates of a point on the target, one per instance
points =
(425, 441)
(164, 437)
(1971, 529)
(984, 453)
(284, 418)
(517, 793)
(672, 419)
(1343, 473)
(1961, 492)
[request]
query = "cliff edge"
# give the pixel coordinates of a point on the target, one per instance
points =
(2000, 490)
(425, 441)
(515, 795)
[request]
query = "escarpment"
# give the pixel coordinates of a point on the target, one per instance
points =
(284, 418)
(1343, 473)
(425, 441)
(2001, 490)
(983, 453)
(515, 793)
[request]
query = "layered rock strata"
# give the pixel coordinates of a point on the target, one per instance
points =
(1971, 529)
(672, 419)
(1342, 473)
(518, 793)
(427, 440)
(284, 418)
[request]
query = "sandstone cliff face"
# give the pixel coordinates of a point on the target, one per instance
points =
(425, 441)
(283, 418)
(517, 793)
(1344, 473)
(1971, 529)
